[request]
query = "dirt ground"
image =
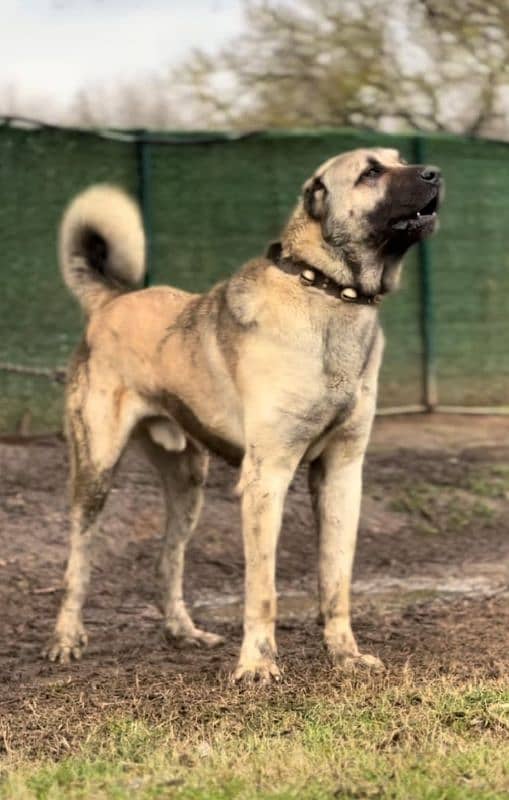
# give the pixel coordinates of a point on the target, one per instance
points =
(431, 580)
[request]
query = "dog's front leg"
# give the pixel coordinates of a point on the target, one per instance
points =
(336, 487)
(263, 485)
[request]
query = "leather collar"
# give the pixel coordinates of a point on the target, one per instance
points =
(315, 278)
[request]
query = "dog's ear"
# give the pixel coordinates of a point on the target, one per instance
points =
(273, 251)
(314, 197)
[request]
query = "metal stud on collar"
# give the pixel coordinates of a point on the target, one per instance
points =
(307, 277)
(349, 294)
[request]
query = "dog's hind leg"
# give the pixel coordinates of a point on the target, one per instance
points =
(182, 475)
(98, 426)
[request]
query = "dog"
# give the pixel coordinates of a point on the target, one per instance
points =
(273, 367)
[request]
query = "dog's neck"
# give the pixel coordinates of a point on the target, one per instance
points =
(367, 270)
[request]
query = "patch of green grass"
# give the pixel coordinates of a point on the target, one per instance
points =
(440, 509)
(492, 482)
(426, 741)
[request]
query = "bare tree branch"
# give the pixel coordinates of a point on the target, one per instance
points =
(415, 64)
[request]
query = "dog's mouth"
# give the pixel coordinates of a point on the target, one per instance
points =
(421, 219)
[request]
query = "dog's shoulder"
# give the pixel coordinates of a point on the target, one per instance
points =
(243, 294)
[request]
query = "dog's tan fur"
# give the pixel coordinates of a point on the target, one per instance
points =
(262, 369)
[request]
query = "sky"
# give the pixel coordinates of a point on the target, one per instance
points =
(52, 48)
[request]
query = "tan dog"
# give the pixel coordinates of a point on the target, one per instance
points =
(275, 366)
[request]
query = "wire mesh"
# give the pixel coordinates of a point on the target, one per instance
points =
(215, 203)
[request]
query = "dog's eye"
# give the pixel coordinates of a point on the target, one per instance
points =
(373, 171)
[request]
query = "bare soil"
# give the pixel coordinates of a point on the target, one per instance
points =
(431, 590)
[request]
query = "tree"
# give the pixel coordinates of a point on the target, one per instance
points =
(145, 103)
(420, 64)
(469, 42)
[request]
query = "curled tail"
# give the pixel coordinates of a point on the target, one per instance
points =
(101, 246)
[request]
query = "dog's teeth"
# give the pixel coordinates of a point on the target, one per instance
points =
(418, 213)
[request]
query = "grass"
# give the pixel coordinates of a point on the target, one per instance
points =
(439, 509)
(491, 482)
(434, 739)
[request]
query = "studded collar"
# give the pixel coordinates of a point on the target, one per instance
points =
(314, 278)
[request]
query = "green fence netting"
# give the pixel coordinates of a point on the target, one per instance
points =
(213, 201)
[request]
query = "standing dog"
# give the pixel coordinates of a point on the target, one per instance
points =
(275, 366)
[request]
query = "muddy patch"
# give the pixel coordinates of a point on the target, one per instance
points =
(431, 580)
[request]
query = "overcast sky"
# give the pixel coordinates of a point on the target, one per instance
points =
(54, 47)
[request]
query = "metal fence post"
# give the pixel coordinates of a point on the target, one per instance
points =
(144, 197)
(429, 375)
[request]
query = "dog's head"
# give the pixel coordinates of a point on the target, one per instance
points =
(371, 200)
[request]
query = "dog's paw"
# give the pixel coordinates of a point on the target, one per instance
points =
(263, 671)
(344, 653)
(195, 637)
(360, 662)
(63, 647)
(181, 631)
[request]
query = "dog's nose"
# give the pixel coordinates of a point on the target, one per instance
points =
(431, 174)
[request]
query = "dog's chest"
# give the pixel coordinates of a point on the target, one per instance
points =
(346, 345)
(323, 400)
(309, 385)
(342, 352)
